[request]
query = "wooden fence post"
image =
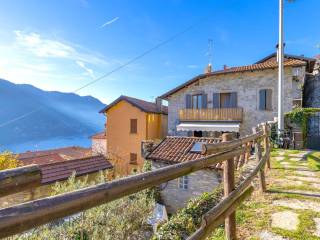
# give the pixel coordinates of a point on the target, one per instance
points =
(229, 185)
(258, 155)
(266, 143)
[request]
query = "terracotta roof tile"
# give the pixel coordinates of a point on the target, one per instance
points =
(67, 153)
(101, 135)
(175, 149)
(254, 67)
(58, 171)
(145, 106)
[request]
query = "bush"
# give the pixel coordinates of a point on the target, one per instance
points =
(125, 218)
(188, 219)
(8, 160)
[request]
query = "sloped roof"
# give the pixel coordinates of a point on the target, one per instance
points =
(144, 106)
(101, 135)
(175, 149)
(254, 67)
(58, 171)
(64, 153)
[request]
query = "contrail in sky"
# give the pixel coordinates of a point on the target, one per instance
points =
(109, 22)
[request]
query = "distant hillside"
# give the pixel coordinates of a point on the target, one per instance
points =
(61, 114)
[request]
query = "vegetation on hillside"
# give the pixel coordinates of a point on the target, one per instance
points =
(125, 218)
(8, 160)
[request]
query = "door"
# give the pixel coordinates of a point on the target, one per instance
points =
(313, 132)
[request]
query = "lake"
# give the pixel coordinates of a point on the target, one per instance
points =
(47, 144)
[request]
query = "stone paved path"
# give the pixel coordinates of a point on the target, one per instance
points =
(300, 188)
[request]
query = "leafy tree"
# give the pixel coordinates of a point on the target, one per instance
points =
(8, 160)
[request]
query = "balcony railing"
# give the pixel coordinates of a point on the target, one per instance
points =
(211, 114)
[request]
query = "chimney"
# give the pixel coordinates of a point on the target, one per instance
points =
(225, 67)
(159, 104)
(208, 69)
(147, 146)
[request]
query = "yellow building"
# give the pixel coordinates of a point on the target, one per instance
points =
(129, 122)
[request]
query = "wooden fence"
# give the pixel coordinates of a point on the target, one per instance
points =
(232, 153)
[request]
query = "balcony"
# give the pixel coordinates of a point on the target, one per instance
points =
(211, 114)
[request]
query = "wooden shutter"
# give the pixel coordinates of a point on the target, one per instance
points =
(268, 99)
(262, 99)
(133, 125)
(216, 100)
(204, 100)
(188, 101)
(133, 158)
(234, 99)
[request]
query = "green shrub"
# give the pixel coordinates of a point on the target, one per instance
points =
(188, 219)
(125, 218)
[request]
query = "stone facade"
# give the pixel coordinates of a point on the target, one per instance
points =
(247, 85)
(198, 182)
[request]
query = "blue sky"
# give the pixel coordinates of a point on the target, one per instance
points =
(62, 45)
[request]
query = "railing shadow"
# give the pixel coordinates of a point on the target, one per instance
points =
(294, 193)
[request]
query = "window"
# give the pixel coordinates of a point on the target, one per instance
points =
(197, 101)
(184, 182)
(265, 99)
(225, 100)
(133, 158)
(133, 125)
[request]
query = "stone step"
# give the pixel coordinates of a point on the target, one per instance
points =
(298, 204)
(286, 220)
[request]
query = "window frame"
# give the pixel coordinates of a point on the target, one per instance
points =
(266, 100)
(183, 182)
(199, 101)
(133, 129)
(135, 160)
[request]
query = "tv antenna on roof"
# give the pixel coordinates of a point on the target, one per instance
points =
(210, 50)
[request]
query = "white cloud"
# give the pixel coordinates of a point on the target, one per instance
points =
(109, 22)
(47, 48)
(86, 69)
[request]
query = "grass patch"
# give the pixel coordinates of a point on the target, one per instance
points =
(314, 160)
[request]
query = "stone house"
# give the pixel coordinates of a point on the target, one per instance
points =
(53, 169)
(236, 98)
(172, 150)
(129, 121)
(99, 143)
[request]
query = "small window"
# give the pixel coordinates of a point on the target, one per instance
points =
(133, 158)
(184, 182)
(133, 125)
(265, 99)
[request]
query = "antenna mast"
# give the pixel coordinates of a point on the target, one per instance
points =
(210, 50)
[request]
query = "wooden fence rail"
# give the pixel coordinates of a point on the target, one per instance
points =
(19, 218)
(19, 179)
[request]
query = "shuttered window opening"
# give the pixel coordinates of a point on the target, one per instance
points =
(197, 101)
(265, 99)
(133, 126)
(225, 100)
(133, 158)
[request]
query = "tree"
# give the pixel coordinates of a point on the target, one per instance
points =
(8, 160)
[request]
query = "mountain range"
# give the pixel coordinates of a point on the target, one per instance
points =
(45, 114)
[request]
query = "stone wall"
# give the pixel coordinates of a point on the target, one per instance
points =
(247, 86)
(311, 95)
(199, 182)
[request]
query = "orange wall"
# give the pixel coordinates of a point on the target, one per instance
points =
(156, 126)
(120, 142)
